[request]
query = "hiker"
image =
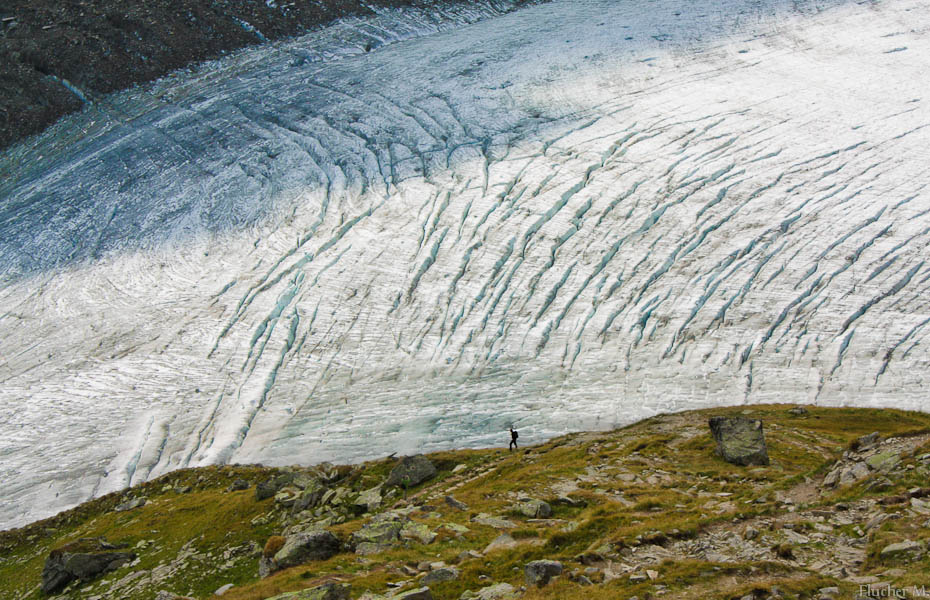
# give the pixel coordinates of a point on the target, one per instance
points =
(513, 438)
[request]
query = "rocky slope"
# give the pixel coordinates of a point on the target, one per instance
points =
(644, 511)
(57, 56)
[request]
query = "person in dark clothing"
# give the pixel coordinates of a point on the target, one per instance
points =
(513, 438)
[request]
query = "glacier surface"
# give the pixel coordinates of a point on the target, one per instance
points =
(569, 216)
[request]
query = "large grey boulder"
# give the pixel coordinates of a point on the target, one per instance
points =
(303, 547)
(539, 572)
(412, 469)
(740, 440)
(328, 591)
(82, 560)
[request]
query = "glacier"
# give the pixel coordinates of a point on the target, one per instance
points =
(408, 232)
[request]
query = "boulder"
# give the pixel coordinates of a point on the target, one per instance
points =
(797, 411)
(164, 595)
(82, 560)
(535, 509)
(303, 547)
(539, 572)
(412, 469)
(328, 591)
(740, 441)
(440, 574)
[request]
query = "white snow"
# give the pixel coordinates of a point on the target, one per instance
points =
(567, 217)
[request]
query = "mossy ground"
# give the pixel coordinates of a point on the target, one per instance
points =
(651, 482)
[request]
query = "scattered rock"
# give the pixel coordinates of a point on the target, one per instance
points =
(740, 440)
(797, 411)
(413, 469)
(82, 560)
(459, 468)
(131, 504)
(440, 574)
(456, 504)
(539, 572)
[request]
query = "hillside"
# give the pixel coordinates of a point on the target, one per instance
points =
(643, 511)
(55, 57)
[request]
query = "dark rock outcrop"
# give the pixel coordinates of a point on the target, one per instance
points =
(740, 440)
(82, 560)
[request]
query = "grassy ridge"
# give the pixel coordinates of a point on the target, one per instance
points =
(653, 488)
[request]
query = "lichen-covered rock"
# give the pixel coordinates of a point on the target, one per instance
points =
(539, 572)
(533, 508)
(883, 461)
(82, 560)
(740, 441)
(417, 531)
(411, 469)
(378, 532)
(328, 591)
